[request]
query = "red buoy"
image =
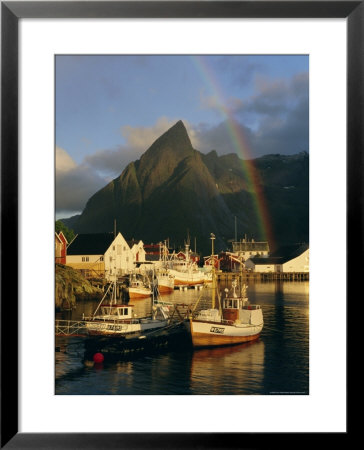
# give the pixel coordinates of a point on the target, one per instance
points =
(98, 358)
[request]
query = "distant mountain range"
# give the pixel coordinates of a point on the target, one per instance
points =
(174, 191)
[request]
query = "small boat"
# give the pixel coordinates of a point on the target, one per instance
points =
(138, 288)
(233, 321)
(117, 319)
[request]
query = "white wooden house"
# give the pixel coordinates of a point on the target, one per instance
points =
(248, 249)
(291, 258)
(137, 250)
(100, 255)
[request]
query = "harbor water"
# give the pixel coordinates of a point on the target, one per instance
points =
(276, 364)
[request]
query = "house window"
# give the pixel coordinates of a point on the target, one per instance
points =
(119, 249)
(85, 258)
(101, 258)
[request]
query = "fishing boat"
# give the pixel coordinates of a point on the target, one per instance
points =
(113, 318)
(138, 287)
(165, 281)
(185, 271)
(230, 320)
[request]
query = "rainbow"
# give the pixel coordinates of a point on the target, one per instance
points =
(241, 146)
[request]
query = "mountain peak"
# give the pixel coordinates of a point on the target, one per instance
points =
(177, 134)
(175, 140)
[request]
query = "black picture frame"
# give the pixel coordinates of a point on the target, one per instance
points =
(11, 13)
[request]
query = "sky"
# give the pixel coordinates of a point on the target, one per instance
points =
(109, 109)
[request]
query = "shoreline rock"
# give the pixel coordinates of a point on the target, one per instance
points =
(71, 286)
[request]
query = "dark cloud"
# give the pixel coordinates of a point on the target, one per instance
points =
(111, 162)
(276, 97)
(75, 186)
(273, 120)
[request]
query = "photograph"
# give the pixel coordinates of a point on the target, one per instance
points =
(182, 224)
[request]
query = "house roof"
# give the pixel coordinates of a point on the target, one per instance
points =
(90, 244)
(282, 255)
(62, 237)
(291, 251)
(265, 261)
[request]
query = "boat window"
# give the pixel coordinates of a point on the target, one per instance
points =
(121, 310)
(235, 303)
(125, 311)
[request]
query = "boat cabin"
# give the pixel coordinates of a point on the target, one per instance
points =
(231, 307)
(117, 311)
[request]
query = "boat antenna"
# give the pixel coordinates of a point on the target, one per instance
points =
(212, 237)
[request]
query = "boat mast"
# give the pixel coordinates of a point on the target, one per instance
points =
(212, 237)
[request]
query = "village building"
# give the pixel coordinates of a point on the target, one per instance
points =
(247, 249)
(152, 249)
(99, 255)
(230, 262)
(155, 254)
(212, 260)
(291, 258)
(192, 256)
(60, 248)
(137, 250)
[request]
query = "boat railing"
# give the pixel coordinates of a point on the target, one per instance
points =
(70, 327)
(112, 320)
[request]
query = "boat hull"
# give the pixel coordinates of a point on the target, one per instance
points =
(101, 328)
(187, 278)
(139, 293)
(165, 289)
(209, 334)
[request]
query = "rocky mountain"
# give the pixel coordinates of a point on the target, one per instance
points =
(174, 191)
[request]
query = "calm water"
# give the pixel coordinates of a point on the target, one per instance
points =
(278, 363)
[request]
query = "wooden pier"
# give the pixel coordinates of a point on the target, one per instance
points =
(186, 287)
(226, 277)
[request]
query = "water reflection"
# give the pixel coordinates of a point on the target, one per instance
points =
(278, 363)
(228, 370)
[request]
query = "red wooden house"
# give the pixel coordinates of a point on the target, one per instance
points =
(61, 248)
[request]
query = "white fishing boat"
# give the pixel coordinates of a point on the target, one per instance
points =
(116, 319)
(230, 320)
(139, 287)
(185, 271)
(165, 281)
